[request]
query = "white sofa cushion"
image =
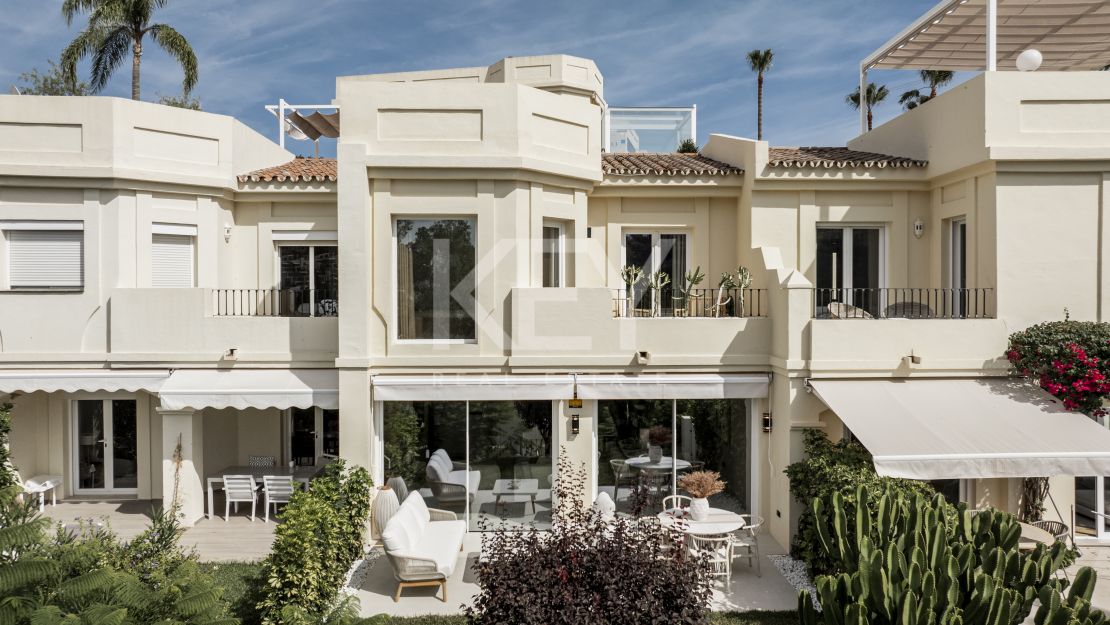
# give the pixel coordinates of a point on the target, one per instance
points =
(416, 502)
(407, 526)
(469, 479)
(441, 543)
(439, 469)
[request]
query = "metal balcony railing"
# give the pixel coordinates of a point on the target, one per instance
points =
(642, 301)
(295, 302)
(903, 303)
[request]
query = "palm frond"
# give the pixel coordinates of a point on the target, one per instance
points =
(111, 51)
(85, 584)
(47, 615)
(70, 8)
(175, 44)
(198, 602)
(84, 44)
(25, 573)
(22, 534)
(101, 614)
(760, 60)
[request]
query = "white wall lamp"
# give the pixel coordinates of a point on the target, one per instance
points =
(227, 233)
(1030, 60)
(918, 228)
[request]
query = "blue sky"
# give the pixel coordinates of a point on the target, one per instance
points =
(652, 52)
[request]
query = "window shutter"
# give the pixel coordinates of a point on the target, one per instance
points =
(46, 258)
(171, 261)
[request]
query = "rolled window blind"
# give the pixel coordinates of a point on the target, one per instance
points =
(171, 261)
(46, 258)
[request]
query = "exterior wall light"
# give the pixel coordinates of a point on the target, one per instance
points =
(918, 227)
(767, 422)
(575, 406)
(1030, 60)
(227, 233)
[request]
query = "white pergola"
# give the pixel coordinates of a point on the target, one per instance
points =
(976, 35)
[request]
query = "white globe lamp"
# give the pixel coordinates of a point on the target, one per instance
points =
(1030, 60)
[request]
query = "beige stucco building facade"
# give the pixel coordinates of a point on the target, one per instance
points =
(211, 263)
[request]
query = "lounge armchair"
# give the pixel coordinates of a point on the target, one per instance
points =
(422, 545)
(449, 481)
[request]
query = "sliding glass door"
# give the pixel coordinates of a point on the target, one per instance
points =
(656, 252)
(644, 446)
(850, 266)
(490, 461)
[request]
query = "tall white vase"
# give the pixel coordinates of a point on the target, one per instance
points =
(384, 507)
(699, 508)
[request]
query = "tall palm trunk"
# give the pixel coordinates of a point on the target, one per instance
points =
(136, 61)
(933, 92)
(759, 107)
(869, 118)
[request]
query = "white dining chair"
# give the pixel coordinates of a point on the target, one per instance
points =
(239, 489)
(675, 502)
(745, 542)
(276, 489)
(716, 550)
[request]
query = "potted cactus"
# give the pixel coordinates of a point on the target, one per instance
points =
(631, 275)
(743, 281)
(656, 282)
(682, 293)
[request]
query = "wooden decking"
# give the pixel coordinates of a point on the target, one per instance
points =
(236, 540)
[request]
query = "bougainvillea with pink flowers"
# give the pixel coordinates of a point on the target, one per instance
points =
(1069, 359)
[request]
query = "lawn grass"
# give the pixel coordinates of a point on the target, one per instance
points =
(238, 581)
(716, 618)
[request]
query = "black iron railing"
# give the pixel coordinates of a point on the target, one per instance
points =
(903, 303)
(641, 301)
(275, 302)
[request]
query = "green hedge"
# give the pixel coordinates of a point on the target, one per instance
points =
(320, 536)
(835, 468)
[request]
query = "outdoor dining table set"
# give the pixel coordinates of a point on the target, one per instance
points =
(241, 484)
(722, 535)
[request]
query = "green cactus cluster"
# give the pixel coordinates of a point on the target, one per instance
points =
(916, 561)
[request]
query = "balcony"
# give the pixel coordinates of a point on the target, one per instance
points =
(649, 129)
(709, 303)
(582, 327)
(903, 303)
(182, 325)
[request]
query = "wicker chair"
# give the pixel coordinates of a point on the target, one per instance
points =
(745, 542)
(675, 502)
(718, 552)
(1056, 528)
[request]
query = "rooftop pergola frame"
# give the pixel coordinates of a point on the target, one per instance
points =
(988, 35)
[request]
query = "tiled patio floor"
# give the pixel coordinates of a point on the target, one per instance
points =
(236, 540)
(745, 591)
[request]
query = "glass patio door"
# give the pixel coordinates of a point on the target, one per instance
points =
(106, 446)
(849, 268)
(313, 432)
(655, 252)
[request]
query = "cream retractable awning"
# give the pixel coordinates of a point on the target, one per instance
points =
(472, 387)
(983, 428)
(251, 388)
(77, 380)
(673, 386)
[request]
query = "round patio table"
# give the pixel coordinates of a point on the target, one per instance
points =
(719, 521)
(1031, 536)
(666, 463)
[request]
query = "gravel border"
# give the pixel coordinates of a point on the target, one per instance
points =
(795, 573)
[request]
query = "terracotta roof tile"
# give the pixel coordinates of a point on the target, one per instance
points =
(836, 158)
(300, 169)
(660, 164)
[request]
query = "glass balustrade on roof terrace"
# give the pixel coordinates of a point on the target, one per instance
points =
(649, 129)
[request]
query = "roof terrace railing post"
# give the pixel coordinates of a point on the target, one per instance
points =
(281, 122)
(862, 99)
(992, 35)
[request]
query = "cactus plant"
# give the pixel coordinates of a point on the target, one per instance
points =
(743, 281)
(920, 561)
(656, 282)
(682, 291)
(631, 275)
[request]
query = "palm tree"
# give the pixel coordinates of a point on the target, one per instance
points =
(114, 26)
(760, 62)
(932, 79)
(875, 95)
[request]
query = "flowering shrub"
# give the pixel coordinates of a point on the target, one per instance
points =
(588, 570)
(1069, 359)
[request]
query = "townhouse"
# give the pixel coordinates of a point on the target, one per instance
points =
(179, 294)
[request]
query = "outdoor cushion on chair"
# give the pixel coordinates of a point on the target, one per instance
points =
(448, 483)
(422, 544)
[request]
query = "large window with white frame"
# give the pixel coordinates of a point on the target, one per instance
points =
(435, 278)
(173, 256)
(554, 254)
(655, 252)
(45, 255)
(308, 276)
(851, 269)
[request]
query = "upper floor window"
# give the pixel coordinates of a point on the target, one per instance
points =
(656, 252)
(850, 266)
(554, 259)
(173, 256)
(45, 254)
(435, 279)
(308, 278)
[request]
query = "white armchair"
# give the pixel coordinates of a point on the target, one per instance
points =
(422, 545)
(449, 481)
